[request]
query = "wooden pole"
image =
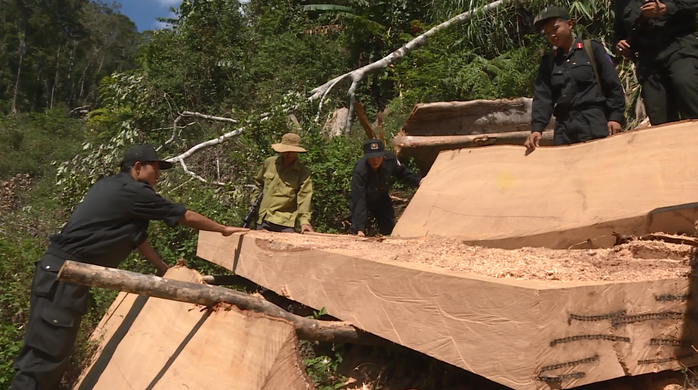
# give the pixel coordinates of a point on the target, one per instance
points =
(202, 294)
(461, 141)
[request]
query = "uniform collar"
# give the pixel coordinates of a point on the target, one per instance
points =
(577, 44)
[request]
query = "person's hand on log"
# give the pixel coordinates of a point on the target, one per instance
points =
(533, 140)
(613, 127)
(229, 230)
(306, 228)
(360, 233)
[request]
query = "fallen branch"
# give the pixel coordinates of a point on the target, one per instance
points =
(443, 142)
(209, 117)
(195, 176)
(357, 75)
(202, 294)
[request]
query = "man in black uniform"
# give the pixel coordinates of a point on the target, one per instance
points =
(659, 36)
(582, 90)
(103, 230)
(370, 183)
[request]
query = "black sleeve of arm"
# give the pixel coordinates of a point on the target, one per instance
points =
(405, 175)
(151, 206)
(612, 88)
(619, 32)
(673, 6)
(542, 107)
(359, 213)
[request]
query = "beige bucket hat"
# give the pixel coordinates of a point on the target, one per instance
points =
(290, 142)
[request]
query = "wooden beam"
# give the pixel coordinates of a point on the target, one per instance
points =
(364, 120)
(201, 294)
(525, 334)
(425, 149)
(634, 183)
(162, 344)
(445, 142)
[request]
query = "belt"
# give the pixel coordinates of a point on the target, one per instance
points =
(54, 250)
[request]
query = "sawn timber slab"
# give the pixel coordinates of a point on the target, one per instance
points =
(152, 343)
(522, 334)
(634, 183)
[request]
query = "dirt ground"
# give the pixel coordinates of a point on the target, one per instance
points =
(633, 261)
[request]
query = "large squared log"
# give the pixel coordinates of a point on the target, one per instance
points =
(525, 334)
(151, 343)
(634, 183)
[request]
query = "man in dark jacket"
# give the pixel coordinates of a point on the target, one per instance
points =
(370, 183)
(660, 37)
(111, 222)
(585, 106)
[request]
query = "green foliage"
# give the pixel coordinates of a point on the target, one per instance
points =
(322, 370)
(16, 271)
(54, 52)
(30, 142)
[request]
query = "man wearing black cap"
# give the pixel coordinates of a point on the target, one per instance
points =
(660, 37)
(370, 183)
(111, 222)
(577, 83)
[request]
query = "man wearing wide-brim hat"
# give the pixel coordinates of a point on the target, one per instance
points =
(287, 188)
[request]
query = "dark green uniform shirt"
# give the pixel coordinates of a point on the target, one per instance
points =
(112, 221)
(287, 192)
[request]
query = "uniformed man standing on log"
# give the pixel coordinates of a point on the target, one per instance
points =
(287, 188)
(370, 183)
(660, 37)
(111, 222)
(577, 83)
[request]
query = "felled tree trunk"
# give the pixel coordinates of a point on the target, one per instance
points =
(202, 294)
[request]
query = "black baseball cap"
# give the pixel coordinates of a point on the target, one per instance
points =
(373, 148)
(548, 13)
(144, 154)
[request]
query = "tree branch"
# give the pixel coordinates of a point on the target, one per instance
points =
(196, 148)
(154, 286)
(209, 117)
(357, 75)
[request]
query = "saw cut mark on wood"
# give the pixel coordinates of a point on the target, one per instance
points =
(133, 282)
(635, 183)
(175, 345)
(459, 318)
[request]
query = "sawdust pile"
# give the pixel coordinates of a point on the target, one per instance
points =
(633, 261)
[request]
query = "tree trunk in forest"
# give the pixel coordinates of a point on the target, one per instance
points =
(202, 294)
(55, 79)
(22, 49)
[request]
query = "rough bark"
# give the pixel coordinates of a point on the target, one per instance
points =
(135, 283)
(425, 149)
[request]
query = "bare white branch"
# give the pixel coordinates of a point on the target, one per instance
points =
(195, 176)
(357, 75)
(209, 117)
